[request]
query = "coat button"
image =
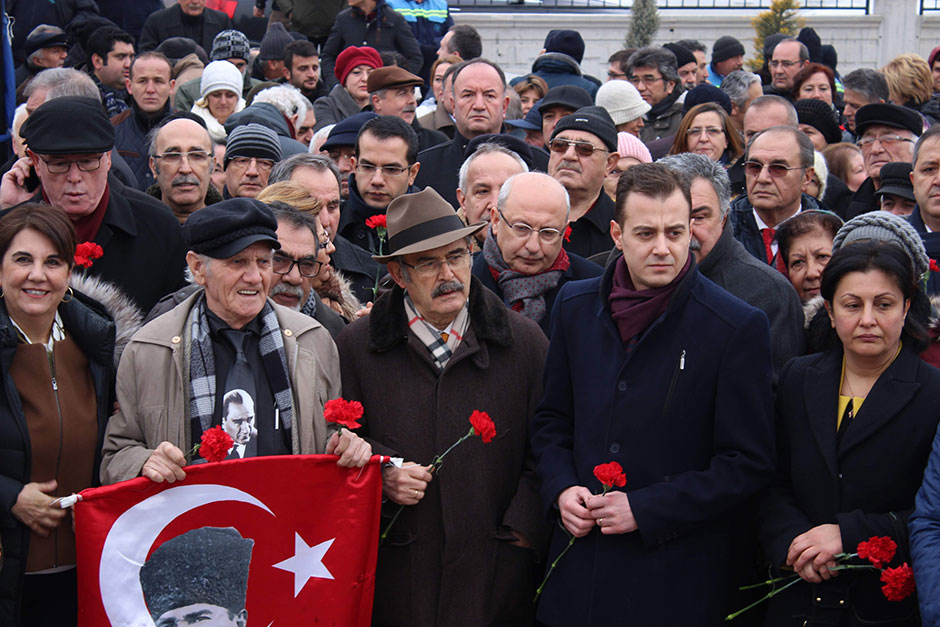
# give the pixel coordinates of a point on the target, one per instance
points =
(614, 447)
(176, 339)
(622, 386)
(840, 475)
(288, 332)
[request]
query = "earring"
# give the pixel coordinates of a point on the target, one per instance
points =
(70, 294)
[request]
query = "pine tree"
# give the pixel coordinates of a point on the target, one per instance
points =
(781, 17)
(644, 22)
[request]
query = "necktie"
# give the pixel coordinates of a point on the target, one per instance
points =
(238, 402)
(768, 234)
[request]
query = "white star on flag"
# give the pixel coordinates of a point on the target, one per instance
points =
(307, 562)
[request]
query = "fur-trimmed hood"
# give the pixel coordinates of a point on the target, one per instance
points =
(127, 317)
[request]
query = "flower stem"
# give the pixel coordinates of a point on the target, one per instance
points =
(769, 582)
(770, 594)
(375, 289)
(388, 527)
(551, 569)
(438, 461)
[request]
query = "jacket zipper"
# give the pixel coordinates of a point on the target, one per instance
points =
(680, 365)
(58, 460)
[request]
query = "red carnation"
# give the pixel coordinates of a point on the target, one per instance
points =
(377, 221)
(483, 425)
(898, 582)
(568, 233)
(86, 253)
(933, 266)
(215, 444)
(878, 550)
(343, 412)
(610, 475)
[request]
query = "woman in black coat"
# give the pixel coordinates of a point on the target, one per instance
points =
(57, 366)
(854, 430)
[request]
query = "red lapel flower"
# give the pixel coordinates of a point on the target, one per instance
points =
(483, 425)
(610, 475)
(568, 233)
(86, 253)
(933, 266)
(377, 221)
(878, 550)
(343, 412)
(898, 582)
(215, 444)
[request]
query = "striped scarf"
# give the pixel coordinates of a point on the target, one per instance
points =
(440, 349)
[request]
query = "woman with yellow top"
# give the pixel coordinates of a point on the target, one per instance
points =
(854, 430)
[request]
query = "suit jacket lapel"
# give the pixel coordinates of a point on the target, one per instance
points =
(821, 399)
(891, 393)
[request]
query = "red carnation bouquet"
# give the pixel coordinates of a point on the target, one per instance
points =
(898, 583)
(214, 444)
(342, 412)
(378, 222)
(480, 424)
(611, 476)
(86, 253)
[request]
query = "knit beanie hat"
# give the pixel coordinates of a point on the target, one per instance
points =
(725, 48)
(684, 56)
(706, 92)
(881, 225)
(252, 140)
(230, 44)
(220, 75)
(820, 116)
(591, 120)
(274, 42)
(622, 101)
(813, 43)
(567, 42)
(629, 145)
(352, 57)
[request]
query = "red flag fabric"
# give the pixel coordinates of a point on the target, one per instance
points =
(228, 6)
(314, 528)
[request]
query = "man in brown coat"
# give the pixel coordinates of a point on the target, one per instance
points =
(435, 348)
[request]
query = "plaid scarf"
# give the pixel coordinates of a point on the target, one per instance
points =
(202, 365)
(440, 350)
(524, 293)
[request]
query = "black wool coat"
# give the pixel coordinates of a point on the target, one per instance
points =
(167, 23)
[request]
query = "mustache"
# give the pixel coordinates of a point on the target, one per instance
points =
(290, 290)
(574, 166)
(446, 288)
(185, 179)
(695, 243)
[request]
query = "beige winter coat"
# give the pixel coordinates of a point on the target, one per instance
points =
(153, 388)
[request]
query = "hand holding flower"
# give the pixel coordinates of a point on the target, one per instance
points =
(353, 451)
(816, 548)
(165, 464)
(574, 514)
(406, 485)
(612, 512)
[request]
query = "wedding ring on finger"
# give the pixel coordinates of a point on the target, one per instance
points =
(416, 493)
(600, 522)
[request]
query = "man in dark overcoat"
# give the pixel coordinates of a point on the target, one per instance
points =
(656, 368)
(434, 349)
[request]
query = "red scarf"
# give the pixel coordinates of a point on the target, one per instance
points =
(635, 310)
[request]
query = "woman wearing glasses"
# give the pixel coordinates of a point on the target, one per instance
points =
(706, 130)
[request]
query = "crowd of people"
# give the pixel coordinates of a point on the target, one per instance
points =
(719, 279)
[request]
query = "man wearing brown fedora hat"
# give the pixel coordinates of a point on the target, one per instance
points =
(392, 92)
(419, 365)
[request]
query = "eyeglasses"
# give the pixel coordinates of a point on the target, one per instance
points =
(786, 64)
(265, 165)
(89, 164)
(777, 170)
(282, 264)
(369, 169)
(582, 149)
(646, 80)
(711, 131)
(886, 140)
(616, 75)
(196, 157)
(547, 234)
(455, 261)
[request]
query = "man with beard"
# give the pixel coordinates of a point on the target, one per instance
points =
(149, 85)
(392, 92)
(181, 160)
(302, 67)
(110, 53)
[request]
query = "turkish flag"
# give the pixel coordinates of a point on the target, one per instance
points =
(314, 527)
(227, 6)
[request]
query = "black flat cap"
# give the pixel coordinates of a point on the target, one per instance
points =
(570, 96)
(594, 120)
(229, 227)
(45, 36)
(888, 115)
(67, 126)
(896, 179)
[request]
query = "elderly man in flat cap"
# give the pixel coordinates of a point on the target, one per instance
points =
(469, 537)
(392, 92)
(69, 143)
(228, 337)
(201, 577)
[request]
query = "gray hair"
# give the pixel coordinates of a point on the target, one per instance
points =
(689, 166)
(736, 85)
(62, 81)
(485, 149)
(284, 170)
(660, 58)
(287, 99)
(807, 152)
(506, 189)
(770, 100)
(930, 133)
(297, 219)
(869, 83)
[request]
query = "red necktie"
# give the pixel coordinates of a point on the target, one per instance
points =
(775, 260)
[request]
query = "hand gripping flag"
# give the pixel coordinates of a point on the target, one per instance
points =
(284, 540)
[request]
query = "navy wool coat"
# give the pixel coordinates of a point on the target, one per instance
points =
(688, 414)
